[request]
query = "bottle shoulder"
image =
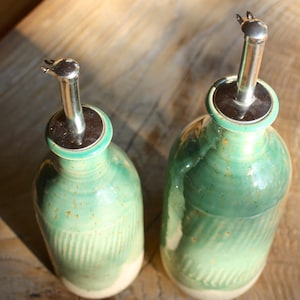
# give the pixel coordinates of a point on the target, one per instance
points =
(203, 138)
(113, 160)
(217, 169)
(108, 179)
(99, 198)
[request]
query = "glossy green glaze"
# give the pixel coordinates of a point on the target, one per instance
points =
(88, 204)
(224, 195)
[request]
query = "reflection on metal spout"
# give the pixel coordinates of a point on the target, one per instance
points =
(255, 36)
(67, 72)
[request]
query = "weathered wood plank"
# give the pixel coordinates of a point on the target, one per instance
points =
(148, 64)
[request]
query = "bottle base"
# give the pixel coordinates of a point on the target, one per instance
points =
(213, 294)
(128, 274)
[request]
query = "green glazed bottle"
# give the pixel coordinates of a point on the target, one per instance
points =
(227, 181)
(87, 197)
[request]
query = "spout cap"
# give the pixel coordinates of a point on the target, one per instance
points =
(253, 28)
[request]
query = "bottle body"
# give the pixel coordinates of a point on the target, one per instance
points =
(90, 213)
(223, 200)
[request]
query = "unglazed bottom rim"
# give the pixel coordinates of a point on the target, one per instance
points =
(213, 294)
(128, 274)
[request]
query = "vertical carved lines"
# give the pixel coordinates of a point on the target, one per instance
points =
(223, 252)
(81, 250)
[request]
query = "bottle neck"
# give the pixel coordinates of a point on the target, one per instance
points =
(244, 144)
(83, 167)
(85, 160)
(220, 104)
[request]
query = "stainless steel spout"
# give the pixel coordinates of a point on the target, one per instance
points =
(66, 70)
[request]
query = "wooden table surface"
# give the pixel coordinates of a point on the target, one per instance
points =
(148, 65)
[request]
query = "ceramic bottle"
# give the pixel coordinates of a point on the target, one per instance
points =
(87, 197)
(227, 180)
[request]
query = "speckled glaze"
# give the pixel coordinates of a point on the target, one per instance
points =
(224, 195)
(88, 204)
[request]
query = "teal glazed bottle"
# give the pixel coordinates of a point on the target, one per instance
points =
(87, 197)
(228, 176)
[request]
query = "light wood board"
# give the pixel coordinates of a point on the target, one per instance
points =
(148, 65)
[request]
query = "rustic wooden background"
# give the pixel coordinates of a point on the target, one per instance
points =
(11, 12)
(148, 65)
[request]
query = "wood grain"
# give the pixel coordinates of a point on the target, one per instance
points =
(148, 65)
(12, 12)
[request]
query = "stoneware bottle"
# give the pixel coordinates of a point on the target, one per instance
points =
(87, 197)
(228, 177)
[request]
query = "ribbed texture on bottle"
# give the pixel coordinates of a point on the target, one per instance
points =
(230, 251)
(100, 254)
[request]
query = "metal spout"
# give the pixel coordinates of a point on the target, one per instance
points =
(66, 70)
(256, 33)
